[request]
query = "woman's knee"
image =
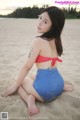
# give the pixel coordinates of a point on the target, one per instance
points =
(28, 86)
(25, 80)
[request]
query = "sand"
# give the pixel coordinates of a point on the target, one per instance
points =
(16, 36)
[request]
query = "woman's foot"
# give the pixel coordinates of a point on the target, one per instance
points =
(32, 108)
(68, 87)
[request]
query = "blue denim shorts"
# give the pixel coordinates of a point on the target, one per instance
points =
(48, 83)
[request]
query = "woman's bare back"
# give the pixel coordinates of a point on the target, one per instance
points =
(48, 49)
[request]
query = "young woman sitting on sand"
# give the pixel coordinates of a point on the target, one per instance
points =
(48, 82)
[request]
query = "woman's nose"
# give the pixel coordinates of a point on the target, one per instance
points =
(40, 23)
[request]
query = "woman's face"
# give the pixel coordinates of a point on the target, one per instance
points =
(44, 23)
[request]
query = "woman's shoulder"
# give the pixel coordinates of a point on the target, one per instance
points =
(38, 40)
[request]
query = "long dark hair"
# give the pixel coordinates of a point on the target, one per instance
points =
(57, 18)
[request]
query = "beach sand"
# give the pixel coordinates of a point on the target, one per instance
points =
(16, 36)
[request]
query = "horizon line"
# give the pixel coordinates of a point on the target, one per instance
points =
(8, 10)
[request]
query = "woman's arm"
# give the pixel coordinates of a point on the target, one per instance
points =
(24, 71)
(35, 49)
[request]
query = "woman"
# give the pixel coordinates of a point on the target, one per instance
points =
(45, 49)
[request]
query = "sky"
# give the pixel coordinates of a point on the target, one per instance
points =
(8, 6)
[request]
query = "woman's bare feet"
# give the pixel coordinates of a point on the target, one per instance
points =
(32, 108)
(68, 87)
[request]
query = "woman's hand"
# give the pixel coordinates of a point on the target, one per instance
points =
(10, 90)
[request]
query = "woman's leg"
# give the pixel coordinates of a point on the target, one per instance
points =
(27, 85)
(68, 87)
(30, 100)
